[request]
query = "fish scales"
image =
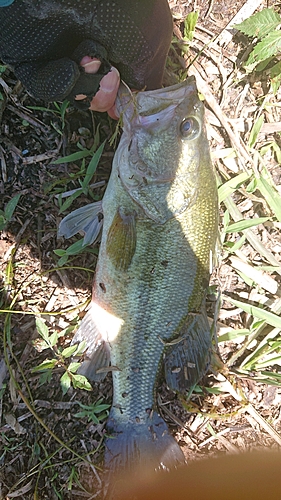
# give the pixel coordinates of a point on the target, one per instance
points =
(159, 234)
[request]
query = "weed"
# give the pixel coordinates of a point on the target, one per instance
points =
(60, 110)
(88, 174)
(263, 26)
(60, 360)
(7, 214)
(96, 412)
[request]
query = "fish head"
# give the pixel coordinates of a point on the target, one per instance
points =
(161, 148)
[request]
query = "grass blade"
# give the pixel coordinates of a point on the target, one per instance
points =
(270, 318)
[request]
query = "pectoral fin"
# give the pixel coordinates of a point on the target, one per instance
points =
(187, 360)
(121, 240)
(87, 219)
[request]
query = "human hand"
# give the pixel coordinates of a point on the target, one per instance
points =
(104, 99)
(45, 42)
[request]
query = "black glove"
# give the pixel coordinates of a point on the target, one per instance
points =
(45, 40)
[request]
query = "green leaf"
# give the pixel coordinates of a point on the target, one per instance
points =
(48, 364)
(73, 157)
(230, 186)
(263, 64)
(70, 199)
(75, 247)
(277, 151)
(243, 224)
(92, 166)
(68, 351)
(65, 382)
(271, 195)
(73, 367)
(269, 46)
(80, 348)
(62, 261)
(233, 334)
(80, 382)
(3, 222)
(189, 25)
(10, 207)
(90, 411)
(274, 360)
(101, 407)
(226, 219)
(81, 414)
(60, 252)
(233, 247)
(255, 131)
(45, 377)
(63, 109)
(260, 24)
(270, 318)
(275, 76)
(42, 329)
(252, 186)
(53, 338)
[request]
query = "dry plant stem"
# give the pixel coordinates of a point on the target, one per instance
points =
(264, 280)
(276, 308)
(263, 423)
(39, 158)
(5, 86)
(33, 121)
(204, 89)
(229, 446)
(224, 431)
(175, 419)
(247, 407)
(3, 164)
(246, 11)
(72, 191)
(66, 283)
(251, 237)
(21, 491)
(92, 466)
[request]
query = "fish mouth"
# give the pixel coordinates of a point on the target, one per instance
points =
(139, 104)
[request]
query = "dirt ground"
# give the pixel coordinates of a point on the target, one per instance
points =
(46, 451)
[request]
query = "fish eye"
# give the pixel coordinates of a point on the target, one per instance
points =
(189, 128)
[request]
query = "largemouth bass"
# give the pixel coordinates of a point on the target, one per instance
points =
(160, 225)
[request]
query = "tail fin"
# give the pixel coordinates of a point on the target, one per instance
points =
(140, 444)
(187, 361)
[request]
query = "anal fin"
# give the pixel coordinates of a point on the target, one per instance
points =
(187, 361)
(97, 354)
